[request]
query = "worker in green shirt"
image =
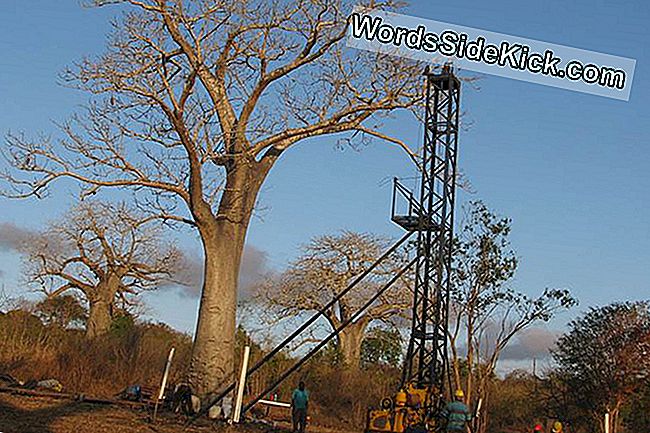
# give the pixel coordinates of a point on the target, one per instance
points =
(457, 413)
(299, 404)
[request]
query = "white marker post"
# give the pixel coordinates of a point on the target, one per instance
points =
(164, 382)
(241, 385)
(607, 422)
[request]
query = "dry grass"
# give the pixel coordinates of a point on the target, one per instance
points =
(102, 367)
(136, 354)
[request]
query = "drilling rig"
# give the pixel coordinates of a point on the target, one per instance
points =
(418, 404)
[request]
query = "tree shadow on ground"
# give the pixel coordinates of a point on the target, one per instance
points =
(14, 419)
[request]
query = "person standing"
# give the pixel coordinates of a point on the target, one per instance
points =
(457, 413)
(299, 405)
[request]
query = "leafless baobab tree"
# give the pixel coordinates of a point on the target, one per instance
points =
(326, 266)
(104, 251)
(193, 103)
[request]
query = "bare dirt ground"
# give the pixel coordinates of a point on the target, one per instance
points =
(28, 414)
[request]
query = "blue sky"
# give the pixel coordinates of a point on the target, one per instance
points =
(570, 169)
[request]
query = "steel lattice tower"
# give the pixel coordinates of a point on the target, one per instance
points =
(432, 216)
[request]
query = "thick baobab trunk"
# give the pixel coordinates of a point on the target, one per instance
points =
(99, 318)
(350, 341)
(100, 305)
(223, 238)
(214, 345)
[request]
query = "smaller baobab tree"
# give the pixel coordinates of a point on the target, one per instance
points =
(326, 266)
(107, 252)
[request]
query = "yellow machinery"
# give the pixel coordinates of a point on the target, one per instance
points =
(406, 412)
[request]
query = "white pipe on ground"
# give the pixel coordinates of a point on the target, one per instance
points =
(275, 403)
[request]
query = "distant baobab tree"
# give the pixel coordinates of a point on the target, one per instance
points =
(105, 252)
(325, 267)
(193, 103)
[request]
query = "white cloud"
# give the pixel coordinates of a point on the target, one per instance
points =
(253, 268)
(532, 343)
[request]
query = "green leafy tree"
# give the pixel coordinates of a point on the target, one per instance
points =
(122, 323)
(61, 311)
(604, 360)
(381, 347)
(514, 402)
(635, 415)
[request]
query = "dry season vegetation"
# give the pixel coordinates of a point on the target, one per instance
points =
(191, 105)
(129, 354)
(135, 353)
(46, 340)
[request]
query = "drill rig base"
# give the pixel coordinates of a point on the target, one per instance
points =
(405, 413)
